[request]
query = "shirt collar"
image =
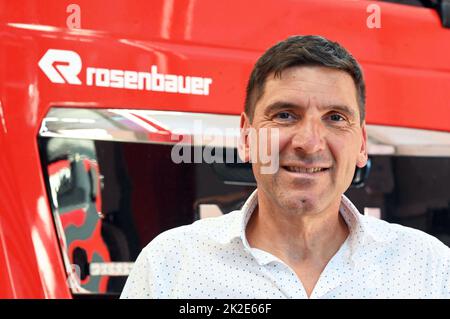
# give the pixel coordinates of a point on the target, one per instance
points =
(360, 231)
(240, 219)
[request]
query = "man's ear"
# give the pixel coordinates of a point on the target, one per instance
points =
(362, 156)
(244, 139)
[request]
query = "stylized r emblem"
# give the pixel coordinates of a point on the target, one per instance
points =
(61, 66)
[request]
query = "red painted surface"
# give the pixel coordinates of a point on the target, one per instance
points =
(406, 63)
(76, 218)
(93, 245)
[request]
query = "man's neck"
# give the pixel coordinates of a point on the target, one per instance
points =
(305, 242)
(297, 238)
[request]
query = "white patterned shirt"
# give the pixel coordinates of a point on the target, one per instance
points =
(212, 258)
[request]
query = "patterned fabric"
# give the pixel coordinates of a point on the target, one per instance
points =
(211, 258)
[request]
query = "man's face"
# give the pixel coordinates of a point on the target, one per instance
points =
(321, 140)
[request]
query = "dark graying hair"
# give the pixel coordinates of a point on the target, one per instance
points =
(309, 50)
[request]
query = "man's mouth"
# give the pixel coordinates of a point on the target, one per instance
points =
(309, 170)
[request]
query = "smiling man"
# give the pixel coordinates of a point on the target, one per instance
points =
(298, 236)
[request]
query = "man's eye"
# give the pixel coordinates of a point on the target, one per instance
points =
(336, 117)
(284, 116)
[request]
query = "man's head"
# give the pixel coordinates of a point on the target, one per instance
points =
(311, 91)
(310, 50)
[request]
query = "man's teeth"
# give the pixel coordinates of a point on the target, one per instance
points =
(304, 170)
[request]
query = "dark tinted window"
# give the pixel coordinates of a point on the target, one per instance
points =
(416, 3)
(110, 199)
(409, 190)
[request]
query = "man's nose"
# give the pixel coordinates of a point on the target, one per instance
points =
(308, 136)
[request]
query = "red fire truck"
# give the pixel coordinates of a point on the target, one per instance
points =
(94, 95)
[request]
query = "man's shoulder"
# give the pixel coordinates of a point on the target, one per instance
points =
(399, 236)
(212, 229)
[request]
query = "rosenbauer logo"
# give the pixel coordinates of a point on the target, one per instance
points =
(61, 73)
(63, 66)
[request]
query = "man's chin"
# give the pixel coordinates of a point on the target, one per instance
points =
(301, 203)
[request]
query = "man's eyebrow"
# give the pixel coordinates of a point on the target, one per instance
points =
(283, 105)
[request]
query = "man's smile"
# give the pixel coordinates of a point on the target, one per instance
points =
(306, 172)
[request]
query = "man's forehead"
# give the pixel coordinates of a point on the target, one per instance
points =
(310, 84)
(311, 76)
